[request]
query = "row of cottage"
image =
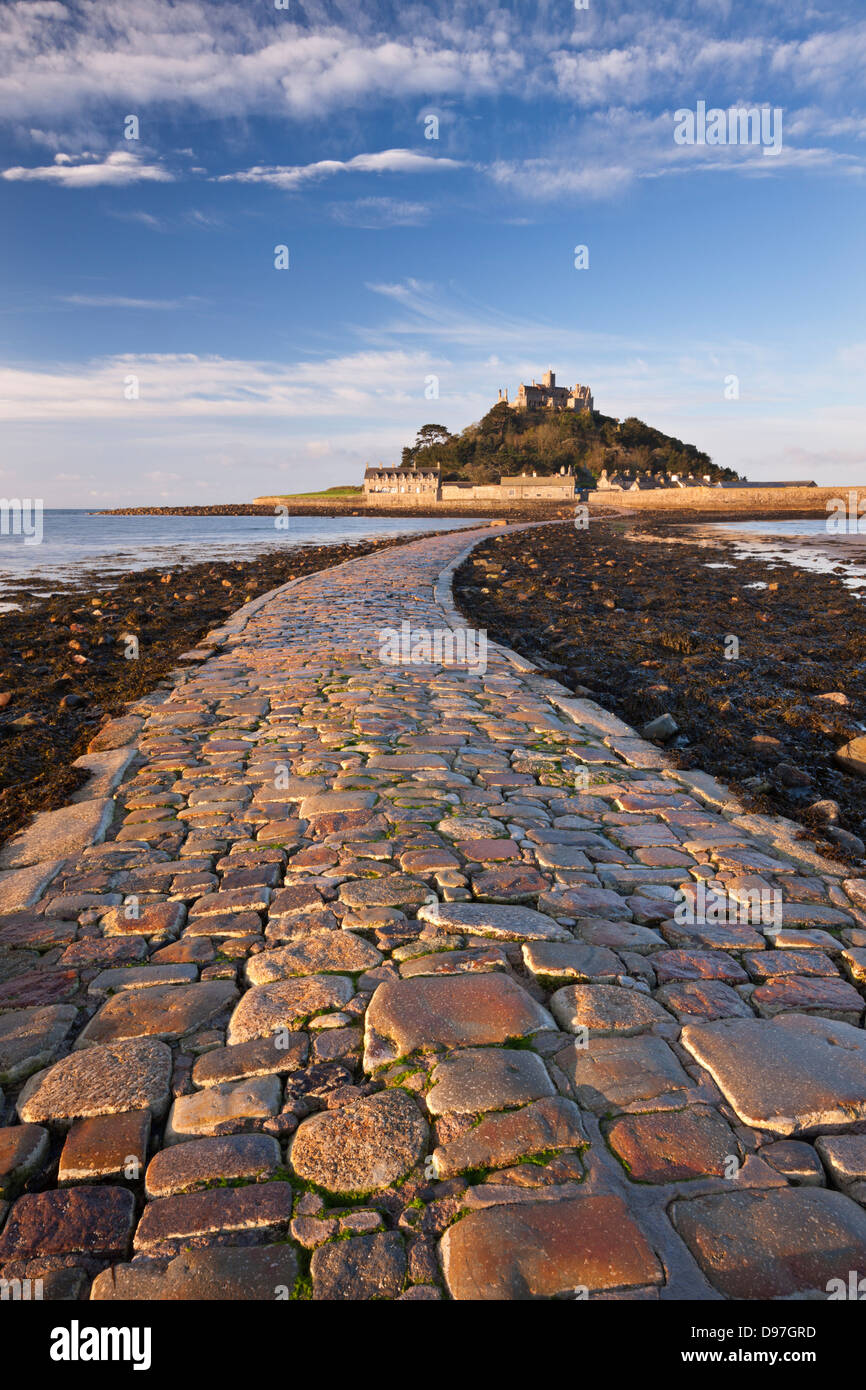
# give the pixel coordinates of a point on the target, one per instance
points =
(409, 486)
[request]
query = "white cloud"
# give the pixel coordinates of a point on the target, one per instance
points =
(552, 178)
(234, 60)
(382, 162)
(620, 145)
(231, 60)
(188, 385)
(115, 170)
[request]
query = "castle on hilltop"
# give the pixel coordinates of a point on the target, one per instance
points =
(546, 395)
(419, 482)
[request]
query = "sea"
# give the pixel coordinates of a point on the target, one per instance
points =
(806, 545)
(84, 548)
(80, 548)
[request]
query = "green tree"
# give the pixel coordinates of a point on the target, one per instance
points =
(430, 435)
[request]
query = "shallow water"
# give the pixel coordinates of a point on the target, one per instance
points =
(74, 544)
(807, 545)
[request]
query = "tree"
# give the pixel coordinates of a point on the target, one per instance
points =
(430, 435)
(506, 441)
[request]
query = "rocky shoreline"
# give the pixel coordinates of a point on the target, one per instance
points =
(643, 628)
(351, 507)
(63, 668)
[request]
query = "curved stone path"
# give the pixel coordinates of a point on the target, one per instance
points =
(353, 979)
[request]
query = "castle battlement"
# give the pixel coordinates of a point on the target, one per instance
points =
(546, 395)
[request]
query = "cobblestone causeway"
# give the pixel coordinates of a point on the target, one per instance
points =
(350, 980)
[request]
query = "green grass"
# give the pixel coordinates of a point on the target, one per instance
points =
(329, 492)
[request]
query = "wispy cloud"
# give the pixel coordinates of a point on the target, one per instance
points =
(234, 60)
(64, 65)
(374, 213)
(231, 60)
(90, 171)
(146, 219)
(382, 162)
(560, 178)
(116, 301)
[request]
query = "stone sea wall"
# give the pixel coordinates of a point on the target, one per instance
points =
(783, 499)
(796, 500)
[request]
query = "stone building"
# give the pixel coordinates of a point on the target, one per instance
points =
(546, 395)
(641, 481)
(412, 487)
(415, 484)
(555, 487)
(646, 482)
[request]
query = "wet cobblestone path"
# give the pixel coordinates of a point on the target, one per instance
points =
(347, 980)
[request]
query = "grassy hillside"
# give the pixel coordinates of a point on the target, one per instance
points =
(515, 441)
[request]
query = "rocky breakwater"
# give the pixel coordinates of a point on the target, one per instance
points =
(396, 982)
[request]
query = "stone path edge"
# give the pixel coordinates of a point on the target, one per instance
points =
(23, 885)
(704, 786)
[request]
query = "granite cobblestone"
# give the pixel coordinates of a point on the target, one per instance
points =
(387, 981)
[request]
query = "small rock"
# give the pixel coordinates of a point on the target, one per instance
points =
(664, 727)
(23, 1150)
(851, 757)
(365, 1145)
(105, 1146)
(362, 1268)
(846, 840)
(791, 776)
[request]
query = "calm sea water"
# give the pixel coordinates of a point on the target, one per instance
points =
(76, 543)
(807, 544)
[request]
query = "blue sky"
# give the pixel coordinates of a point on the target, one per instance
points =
(411, 258)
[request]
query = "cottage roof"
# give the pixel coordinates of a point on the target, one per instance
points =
(402, 471)
(548, 480)
(740, 482)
